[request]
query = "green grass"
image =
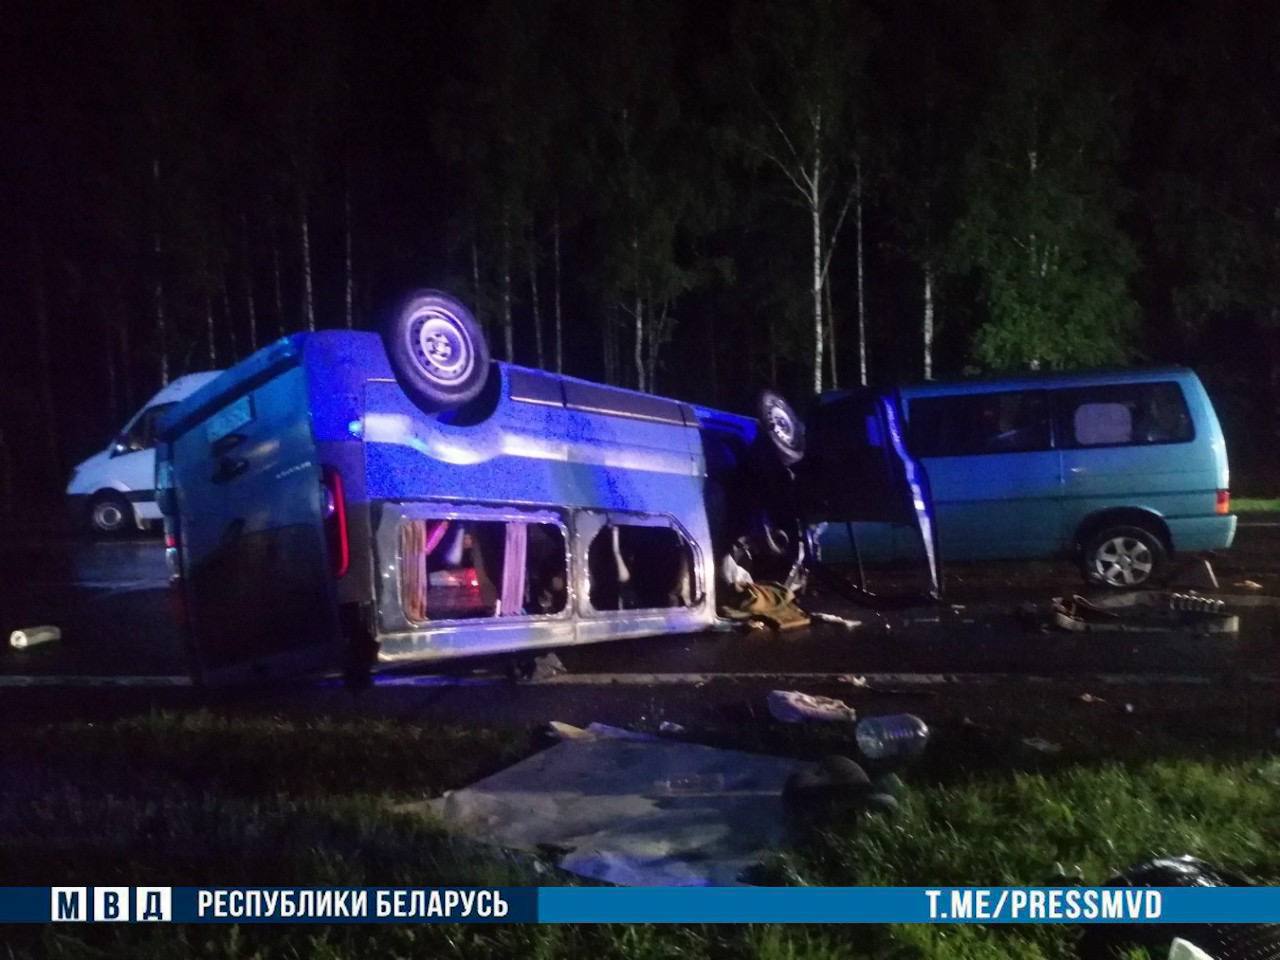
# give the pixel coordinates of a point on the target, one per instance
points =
(201, 799)
(1253, 505)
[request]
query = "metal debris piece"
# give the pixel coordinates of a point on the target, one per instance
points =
(838, 621)
(595, 731)
(1144, 611)
(1089, 698)
(1249, 585)
(792, 706)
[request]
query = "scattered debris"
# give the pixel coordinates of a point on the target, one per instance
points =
(792, 706)
(667, 726)
(33, 636)
(1195, 603)
(734, 574)
(855, 680)
(542, 667)
(1127, 708)
(1224, 941)
(838, 621)
(1089, 698)
(595, 731)
(1248, 585)
(1144, 612)
(626, 812)
(771, 603)
(1041, 745)
(893, 737)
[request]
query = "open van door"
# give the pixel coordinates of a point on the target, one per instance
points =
(857, 468)
(242, 492)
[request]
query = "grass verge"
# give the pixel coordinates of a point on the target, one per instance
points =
(1254, 505)
(203, 799)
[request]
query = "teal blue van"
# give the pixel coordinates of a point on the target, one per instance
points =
(1118, 469)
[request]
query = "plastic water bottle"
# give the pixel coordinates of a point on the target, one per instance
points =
(32, 636)
(893, 737)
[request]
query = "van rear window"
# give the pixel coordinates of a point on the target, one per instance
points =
(975, 423)
(1122, 414)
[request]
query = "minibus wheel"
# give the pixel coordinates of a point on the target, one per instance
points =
(1123, 557)
(782, 426)
(437, 351)
(109, 514)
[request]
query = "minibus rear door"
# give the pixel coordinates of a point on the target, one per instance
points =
(249, 505)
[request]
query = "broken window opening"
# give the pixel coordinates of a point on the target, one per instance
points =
(635, 567)
(463, 569)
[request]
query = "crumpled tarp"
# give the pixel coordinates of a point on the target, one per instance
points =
(633, 812)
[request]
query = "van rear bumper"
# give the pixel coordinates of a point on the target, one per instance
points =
(1202, 533)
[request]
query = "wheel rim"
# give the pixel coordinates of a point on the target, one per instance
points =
(108, 516)
(780, 423)
(1123, 561)
(439, 344)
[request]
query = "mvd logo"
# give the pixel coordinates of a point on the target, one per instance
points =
(111, 904)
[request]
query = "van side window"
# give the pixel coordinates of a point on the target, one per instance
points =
(1122, 414)
(454, 569)
(142, 435)
(636, 567)
(977, 423)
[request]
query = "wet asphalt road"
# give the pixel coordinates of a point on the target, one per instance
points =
(110, 600)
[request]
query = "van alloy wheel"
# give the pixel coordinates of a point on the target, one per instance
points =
(1123, 562)
(1124, 557)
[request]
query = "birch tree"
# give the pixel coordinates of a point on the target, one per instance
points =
(802, 65)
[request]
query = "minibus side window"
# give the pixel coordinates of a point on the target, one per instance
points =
(960, 425)
(1122, 415)
(461, 569)
(635, 567)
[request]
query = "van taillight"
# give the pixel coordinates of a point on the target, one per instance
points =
(335, 522)
(1224, 501)
(171, 548)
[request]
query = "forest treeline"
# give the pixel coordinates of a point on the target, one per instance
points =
(694, 198)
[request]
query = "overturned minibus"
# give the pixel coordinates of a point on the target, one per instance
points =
(346, 500)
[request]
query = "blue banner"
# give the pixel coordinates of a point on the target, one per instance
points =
(340, 905)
